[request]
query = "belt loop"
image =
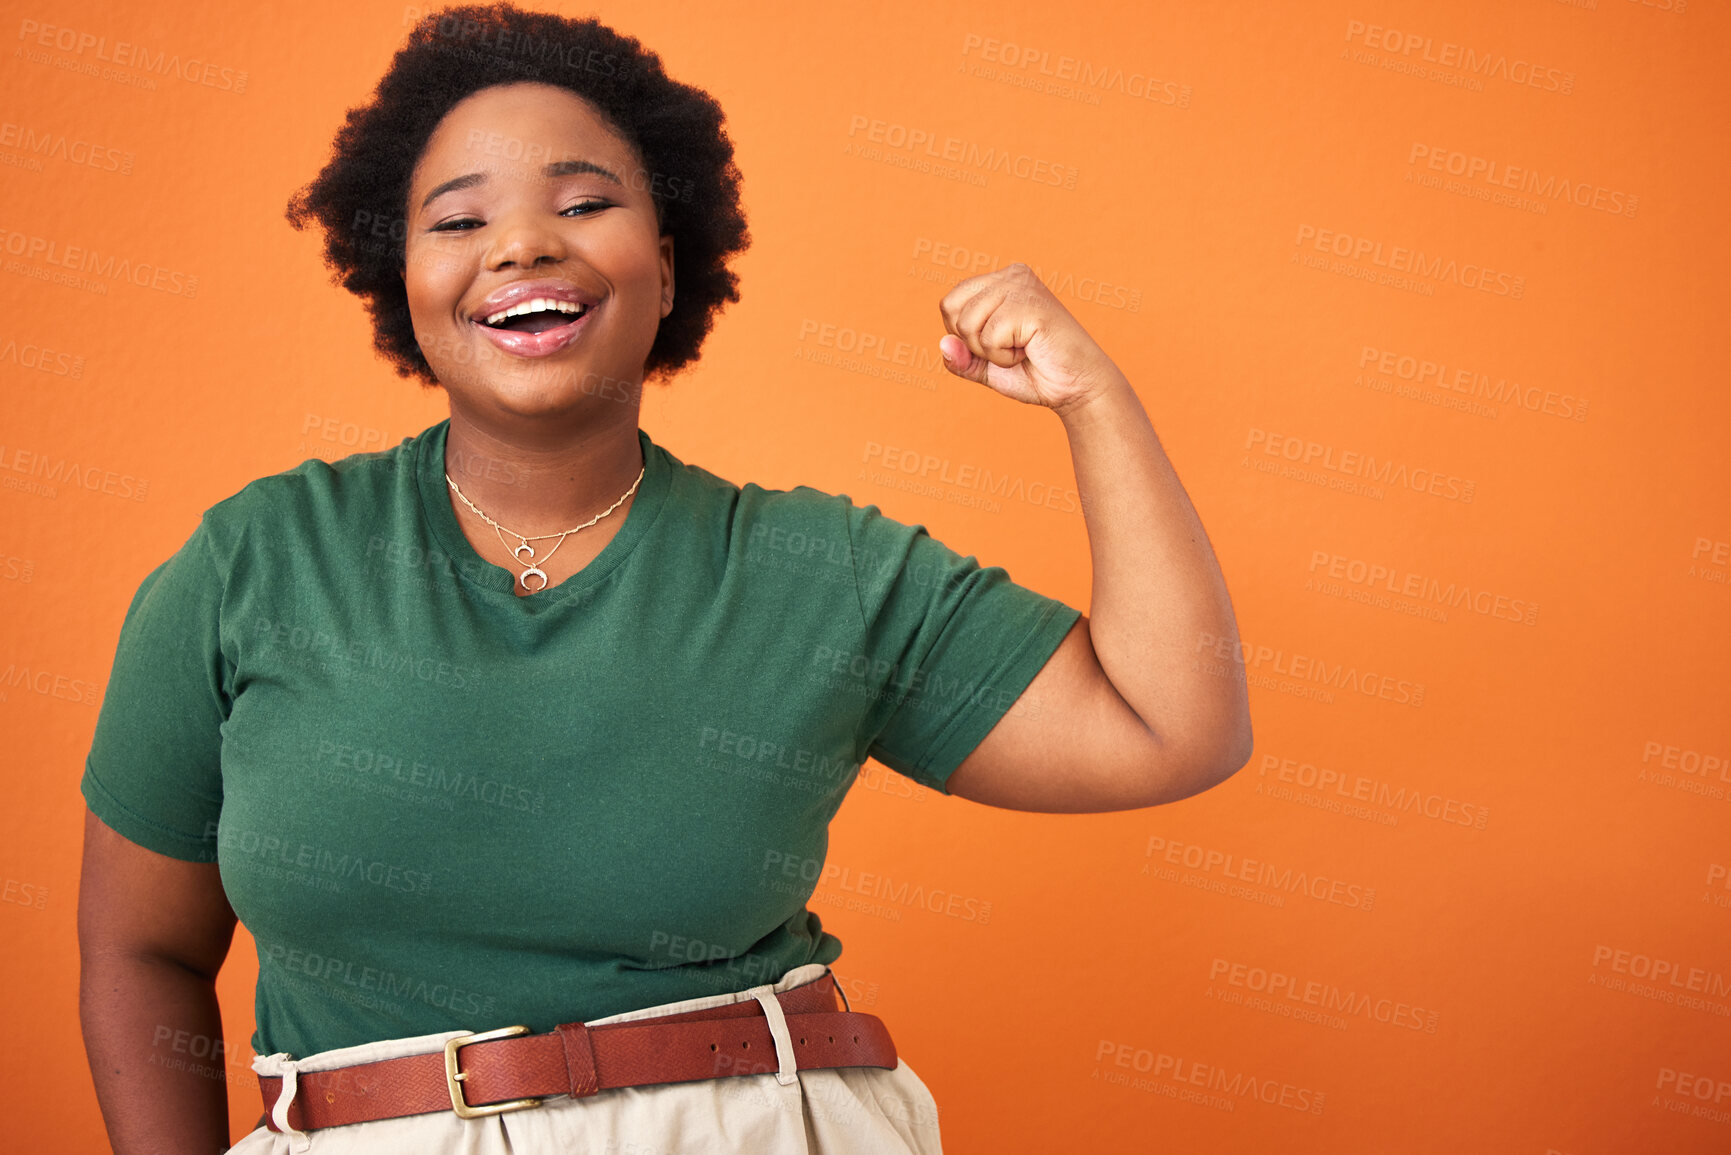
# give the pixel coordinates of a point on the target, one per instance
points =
(579, 1059)
(835, 981)
(286, 1068)
(765, 995)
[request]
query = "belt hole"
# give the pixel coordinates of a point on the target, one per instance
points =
(856, 1038)
(712, 1046)
(802, 1042)
(746, 1044)
(832, 1038)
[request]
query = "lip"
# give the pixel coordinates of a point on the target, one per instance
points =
(534, 344)
(517, 292)
(541, 344)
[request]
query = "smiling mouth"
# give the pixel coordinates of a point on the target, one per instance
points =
(534, 316)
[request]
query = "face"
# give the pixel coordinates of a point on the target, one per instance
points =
(525, 202)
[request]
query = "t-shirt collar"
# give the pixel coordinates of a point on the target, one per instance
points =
(492, 579)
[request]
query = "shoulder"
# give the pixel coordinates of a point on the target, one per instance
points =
(802, 521)
(796, 542)
(752, 509)
(315, 495)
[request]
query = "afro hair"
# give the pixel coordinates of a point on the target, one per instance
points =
(360, 197)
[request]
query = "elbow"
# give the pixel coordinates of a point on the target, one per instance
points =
(1238, 751)
(1184, 759)
(1210, 764)
(1231, 750)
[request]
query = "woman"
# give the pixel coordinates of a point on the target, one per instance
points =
(527, 725)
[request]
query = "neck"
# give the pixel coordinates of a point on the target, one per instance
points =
(543, 478)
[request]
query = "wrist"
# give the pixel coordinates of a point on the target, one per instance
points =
(1103, 401)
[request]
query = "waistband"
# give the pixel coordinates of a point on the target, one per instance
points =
(278, 1063)
(507, 1069)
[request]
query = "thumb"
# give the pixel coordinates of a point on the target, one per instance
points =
(958, 359)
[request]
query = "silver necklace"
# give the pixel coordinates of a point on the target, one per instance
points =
(534, 562)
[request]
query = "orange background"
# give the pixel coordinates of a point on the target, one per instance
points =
(1514, 961)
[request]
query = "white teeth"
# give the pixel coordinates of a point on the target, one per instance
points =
(537, 305)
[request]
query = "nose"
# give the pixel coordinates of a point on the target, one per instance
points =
(524, 238)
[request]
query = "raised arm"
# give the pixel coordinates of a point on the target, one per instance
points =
(152, 933)
(1125, 714)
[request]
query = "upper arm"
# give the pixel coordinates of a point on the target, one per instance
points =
(946, 646)
(152, 782)
(135, 902)
(1071, 744)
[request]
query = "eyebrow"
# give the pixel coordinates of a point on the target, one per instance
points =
(557, 168)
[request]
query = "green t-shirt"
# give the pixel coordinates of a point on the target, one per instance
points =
(437, 805)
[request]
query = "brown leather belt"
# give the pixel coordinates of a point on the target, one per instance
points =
(508, 1070)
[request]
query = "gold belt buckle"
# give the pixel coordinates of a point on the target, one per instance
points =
(454, 1075)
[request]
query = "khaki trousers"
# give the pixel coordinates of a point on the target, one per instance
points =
(833, 1111)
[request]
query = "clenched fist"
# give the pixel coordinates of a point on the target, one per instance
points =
(1007, 331)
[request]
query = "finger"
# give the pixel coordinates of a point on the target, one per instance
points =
(1005, 335)
(952, 303)
(973, 317)
(1001, 332)
(959, 361)
(966, 288)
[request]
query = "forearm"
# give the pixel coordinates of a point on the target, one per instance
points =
(1158, 597)
(131, 1010)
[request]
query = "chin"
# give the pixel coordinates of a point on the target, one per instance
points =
(545, 386)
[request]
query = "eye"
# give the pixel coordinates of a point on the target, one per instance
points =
(464, 224)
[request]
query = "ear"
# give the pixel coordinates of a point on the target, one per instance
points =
(666, 274)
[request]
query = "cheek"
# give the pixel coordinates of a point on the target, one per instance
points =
(433, 282)
(645, 282)
(629, 251)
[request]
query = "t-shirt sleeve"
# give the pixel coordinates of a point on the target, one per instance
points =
(154, 771)
(949, 645)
